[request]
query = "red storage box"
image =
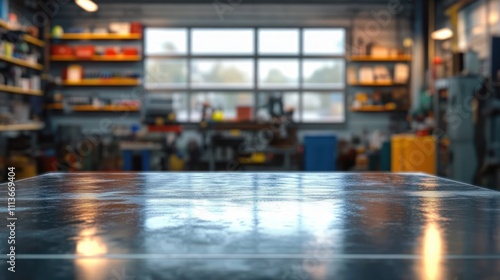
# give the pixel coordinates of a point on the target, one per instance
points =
(130, 51)
(85, 51)
(244, 113)
(111, 51)
(136, 28)
(61, 50)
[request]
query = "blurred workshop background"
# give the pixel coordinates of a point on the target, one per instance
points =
(361, 85)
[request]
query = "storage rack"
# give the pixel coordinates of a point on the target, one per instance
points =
(366, 59)
(4, 27)
(97, 82)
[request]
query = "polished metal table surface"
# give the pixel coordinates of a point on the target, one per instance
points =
(252, 226)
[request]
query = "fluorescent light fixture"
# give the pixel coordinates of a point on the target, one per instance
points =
(442, 34)
(87, 5)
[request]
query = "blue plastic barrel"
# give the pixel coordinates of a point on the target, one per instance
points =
(385, 156)
(320, 152)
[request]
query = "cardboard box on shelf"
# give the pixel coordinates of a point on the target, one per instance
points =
(366, 75)
(381, 74)
(74, 73)
(352, 75)
(401, 73)
(120, 28)
(379, 51)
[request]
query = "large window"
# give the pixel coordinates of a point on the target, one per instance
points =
(233, 68)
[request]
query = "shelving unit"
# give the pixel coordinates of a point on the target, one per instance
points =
(102, 84)
(27, 38)
(30, 126)
(378, 86)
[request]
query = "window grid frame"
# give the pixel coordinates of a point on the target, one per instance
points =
(255, 57)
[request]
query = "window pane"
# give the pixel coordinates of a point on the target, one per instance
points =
(179, 102)
(324, 73)
(278, 73)
(278, 41)
(166, 73)
(324, 41)
(222, 73)
(323, 107)
(223, 41)
(230, 103)
(161, 41)
(290, 102)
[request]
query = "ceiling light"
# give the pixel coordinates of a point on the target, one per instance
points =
(442, 34)
(87, 5)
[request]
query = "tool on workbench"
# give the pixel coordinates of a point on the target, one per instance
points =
(159, 110)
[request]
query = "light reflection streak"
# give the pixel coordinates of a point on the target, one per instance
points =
(432, 249)
(432, 252)
(90, 246)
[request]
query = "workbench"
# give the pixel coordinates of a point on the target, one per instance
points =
(252, 226)
(266, 139)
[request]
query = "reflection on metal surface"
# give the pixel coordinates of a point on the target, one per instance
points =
(429, 183)
(317, 267)
(257, 226)
(89, 245)
(432, 252)
(432, 240)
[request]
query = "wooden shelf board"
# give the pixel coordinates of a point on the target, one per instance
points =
(34, 41)
(90, 36)
(22, 127)
(104, 82)
(368, 58)
(91, 108)
(18, 90)
(28, 38)
(4, 25)
(115, 58)
(20, 62)
(377, 85)
(368, 109)
(54, 106)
